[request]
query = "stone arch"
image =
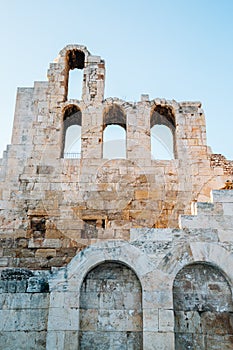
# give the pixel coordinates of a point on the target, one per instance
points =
(204, 253)
(110, 308)
(114, 114)
(65, 285)
(72, 126)
(202, 308)
(185, 254)
(96, 254)
(163, 127)
(91, 69)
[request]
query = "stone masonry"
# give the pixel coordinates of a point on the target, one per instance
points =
(129, 252)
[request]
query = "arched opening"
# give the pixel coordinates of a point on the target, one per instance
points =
(162, 127)
(110, 308)
(114, 142)
(75, 83)
(73, 142)
(75, 65)
(202, 308)
(114, 133)
(161, 142)
(72, 128)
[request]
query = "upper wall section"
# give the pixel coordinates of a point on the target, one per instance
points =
(77, 57)
(55, 205)
(58, 167)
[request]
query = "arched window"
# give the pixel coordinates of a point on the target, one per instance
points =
(72, 125)
(75, 65)
(114, 134)
(162, 126)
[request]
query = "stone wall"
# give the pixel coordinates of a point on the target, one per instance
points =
(185, 276)
(24, 303)
(109, 196)
(100, 251)
(167, 288)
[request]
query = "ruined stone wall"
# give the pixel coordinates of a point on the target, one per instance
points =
(90, 244)
(85, 200)
(218, 160)
(185, 276)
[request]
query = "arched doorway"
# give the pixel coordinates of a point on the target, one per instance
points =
(110, 309)
(203, 309)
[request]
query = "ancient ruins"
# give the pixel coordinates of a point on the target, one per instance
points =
(116, 221)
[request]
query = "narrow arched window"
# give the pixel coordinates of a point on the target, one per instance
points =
(72, 127)
(162, 130)
(114, 133)
(74, 77)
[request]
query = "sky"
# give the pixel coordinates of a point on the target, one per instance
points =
(173, 49)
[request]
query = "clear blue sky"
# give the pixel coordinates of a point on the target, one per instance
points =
(174, 49)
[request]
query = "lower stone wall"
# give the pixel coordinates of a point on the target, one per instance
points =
(23, 321)
(99, 302)
(164, 289)
(24, 305)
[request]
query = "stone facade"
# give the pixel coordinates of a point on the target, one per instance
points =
(124, 253)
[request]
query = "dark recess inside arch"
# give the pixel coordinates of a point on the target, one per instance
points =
(162, 115)
(76, 59)
(72, 115)
(114, 116)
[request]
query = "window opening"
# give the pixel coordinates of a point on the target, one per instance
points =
(72, 131)
(114, 142)
(75, 84)
(161, 143)
(162, 126)
(114, 134)
(73, 142)
(75, 63)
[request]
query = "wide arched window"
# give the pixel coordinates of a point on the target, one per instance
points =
(114, 134)
(162, 127)
(72, 125)
(74, 78)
